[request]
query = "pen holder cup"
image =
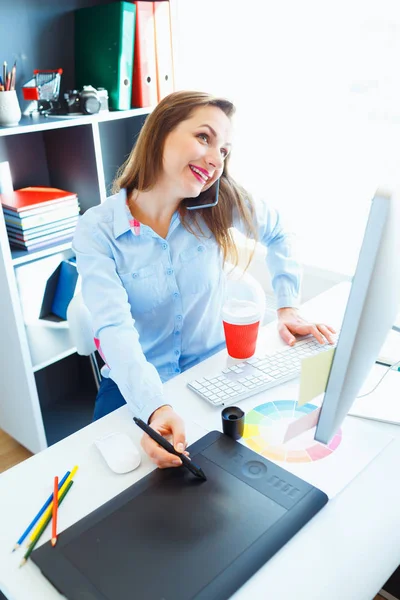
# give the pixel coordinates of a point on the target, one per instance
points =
(10, 112)
(233, 422)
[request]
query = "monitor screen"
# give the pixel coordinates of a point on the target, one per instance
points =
(370, 313)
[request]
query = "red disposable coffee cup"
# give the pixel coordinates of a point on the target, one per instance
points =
(241, 321)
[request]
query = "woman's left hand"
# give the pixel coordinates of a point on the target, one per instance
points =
(290, 323)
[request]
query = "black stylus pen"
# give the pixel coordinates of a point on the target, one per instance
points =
(169, 448)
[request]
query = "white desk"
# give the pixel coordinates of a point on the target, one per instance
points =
(346, 552)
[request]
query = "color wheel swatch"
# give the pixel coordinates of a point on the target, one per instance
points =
(266, 425)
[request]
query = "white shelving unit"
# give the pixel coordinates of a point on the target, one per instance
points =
(47, 345)
(80, 155)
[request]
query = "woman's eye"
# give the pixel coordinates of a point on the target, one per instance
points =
(203, 136)
(224, 152)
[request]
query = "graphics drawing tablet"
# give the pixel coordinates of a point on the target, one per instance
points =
(172, 536)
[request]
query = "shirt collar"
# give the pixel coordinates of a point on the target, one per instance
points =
(123, 220)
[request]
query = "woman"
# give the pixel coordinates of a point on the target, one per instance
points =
(152, 270)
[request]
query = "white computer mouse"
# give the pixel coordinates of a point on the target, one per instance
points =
(119, 452)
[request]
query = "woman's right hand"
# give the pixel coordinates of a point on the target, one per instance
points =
(170, 425)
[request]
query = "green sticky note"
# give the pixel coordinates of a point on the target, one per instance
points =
(314, 375)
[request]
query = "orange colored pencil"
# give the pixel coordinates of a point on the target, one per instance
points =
(55, 510)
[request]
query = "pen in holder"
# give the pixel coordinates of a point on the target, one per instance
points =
(10, 112)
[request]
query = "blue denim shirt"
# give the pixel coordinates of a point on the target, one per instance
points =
(156, 303)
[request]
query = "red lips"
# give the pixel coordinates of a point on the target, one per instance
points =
(206, 173)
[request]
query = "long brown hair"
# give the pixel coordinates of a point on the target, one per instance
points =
(145, 164)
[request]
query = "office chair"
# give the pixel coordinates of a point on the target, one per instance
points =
(79, 322)
(240, 284)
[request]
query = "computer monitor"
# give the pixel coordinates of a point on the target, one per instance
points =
(371, 310)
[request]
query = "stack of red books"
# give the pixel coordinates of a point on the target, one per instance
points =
(39, 216)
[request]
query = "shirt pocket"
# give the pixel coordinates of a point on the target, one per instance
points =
(198, 269)
(143, 289)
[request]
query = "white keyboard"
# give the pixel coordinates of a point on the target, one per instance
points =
(256, 374)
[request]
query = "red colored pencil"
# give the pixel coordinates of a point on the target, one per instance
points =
(55, 509)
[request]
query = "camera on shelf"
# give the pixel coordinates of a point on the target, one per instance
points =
(89, 101)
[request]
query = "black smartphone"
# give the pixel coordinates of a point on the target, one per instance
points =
(207, 201)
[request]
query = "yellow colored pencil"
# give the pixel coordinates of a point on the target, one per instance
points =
(35, 541)
(50, 507)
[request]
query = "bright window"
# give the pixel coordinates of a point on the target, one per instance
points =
(316, 86)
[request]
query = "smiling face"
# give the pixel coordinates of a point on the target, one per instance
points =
(194, 152)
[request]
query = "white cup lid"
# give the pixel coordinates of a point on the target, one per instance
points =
(241, 312)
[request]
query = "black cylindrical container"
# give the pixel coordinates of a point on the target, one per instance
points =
(233, 422)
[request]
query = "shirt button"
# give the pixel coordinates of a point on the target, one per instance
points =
(177, 352)
(170, 271)
(176, 295)
(179, 317)
(135, 275)
(165, 246)
(177, 332)
(177, 370)
(200, 248)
